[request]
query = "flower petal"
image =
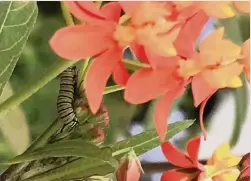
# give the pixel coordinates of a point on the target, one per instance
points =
(158, 61)
(177, 174)
(245, 161)
(214, 49)
(139, 51)
(201, 89)
(222, 77)
(223, 155)
(161, 112)
(111, 11)
(86, 11)
(73, 42)
(129, 7)
(246, 58)
(245, 174)
(147, 84)
(97, 76)
(193, 147)
(175, 156)
(202, 107)
(130, 168)
(218, 9)
(231, 175)
(120, 74)
(189, 34)
(242, 6)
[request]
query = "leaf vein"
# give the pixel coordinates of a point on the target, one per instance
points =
(20, 7)
(5, 18)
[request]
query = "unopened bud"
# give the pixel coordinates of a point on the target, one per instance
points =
(130, 168)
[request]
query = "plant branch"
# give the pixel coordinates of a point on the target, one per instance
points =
(66, 13)
(14, 170)
(34, 86)
(111, 89)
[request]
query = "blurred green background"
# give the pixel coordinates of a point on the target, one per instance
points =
(36, 113)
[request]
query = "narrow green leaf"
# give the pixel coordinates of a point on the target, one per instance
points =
(16, 22)
(148, 140)
(78, 169)
(241, 107)
(76, 148)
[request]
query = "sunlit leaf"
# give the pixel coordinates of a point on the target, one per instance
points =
(76, 148)
(78, 169)
(148, 140)
(16, 22)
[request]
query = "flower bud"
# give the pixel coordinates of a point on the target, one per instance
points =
(130, 168)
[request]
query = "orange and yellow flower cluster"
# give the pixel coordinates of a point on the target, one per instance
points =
(222, 166)
(161, 35)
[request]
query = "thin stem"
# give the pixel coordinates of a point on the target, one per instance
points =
(83, 69)
(66, 13)
(133, 65)
(34, 86)
(111, 89)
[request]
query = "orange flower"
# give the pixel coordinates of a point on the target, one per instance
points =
(81, 41)
(161, 80)
(217, 9)
(213, 68)
(242, 6)
(190, 168)
(152, 29)
(223, 165)
(246, 58)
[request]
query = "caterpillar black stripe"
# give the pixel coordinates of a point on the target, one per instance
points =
(68, 81)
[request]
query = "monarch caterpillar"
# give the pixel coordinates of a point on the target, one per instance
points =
(68, 80)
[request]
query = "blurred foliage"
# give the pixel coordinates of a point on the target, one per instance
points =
(238, 30)
(13, 126)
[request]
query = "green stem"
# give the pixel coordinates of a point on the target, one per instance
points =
(133, 65)
(111, 89)
(83, 69)
(34, 86)
(66, 13)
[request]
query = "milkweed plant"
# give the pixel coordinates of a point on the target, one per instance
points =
(167, 58)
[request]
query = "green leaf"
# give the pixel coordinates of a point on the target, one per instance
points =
(77, 148)
(148, 140)
(241, 96)
(16, 22)
(78, 169)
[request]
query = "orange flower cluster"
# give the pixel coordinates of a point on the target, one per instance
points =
(161, 35)
(223, 165)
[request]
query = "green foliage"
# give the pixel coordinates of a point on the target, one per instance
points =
(16, 22)
(238, 30)
(77, 148)
(148, 140)
(78, 169)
